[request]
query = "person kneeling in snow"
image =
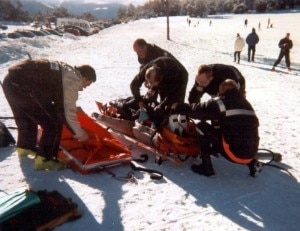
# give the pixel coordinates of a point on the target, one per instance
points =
(237, 138)
(44, 93)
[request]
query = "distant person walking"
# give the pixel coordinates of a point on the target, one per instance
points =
(285, 45)
(246, 22)
(238, 47)
(269, 22)
(252, 39)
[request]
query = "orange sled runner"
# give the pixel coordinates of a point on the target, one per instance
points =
(100, 151)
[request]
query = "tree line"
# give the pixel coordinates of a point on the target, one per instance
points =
(203, 8)
(153, 8)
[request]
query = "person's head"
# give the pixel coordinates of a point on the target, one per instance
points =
(204, 75)
(237, 35)
(88, 75)
(140, 48)
(227, 85)
(253, 30)
(153, 76)
(287, 35)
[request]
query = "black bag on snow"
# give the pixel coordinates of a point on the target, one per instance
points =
(6, 138)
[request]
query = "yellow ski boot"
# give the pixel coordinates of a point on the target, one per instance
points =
(22, 152)
(41, 164)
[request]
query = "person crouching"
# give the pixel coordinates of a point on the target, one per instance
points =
(237, 139)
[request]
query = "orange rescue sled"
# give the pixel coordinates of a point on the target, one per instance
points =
(166, 144)
(102, 150)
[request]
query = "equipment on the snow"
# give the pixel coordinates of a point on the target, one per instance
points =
(41, 210)
(101, 150)
(176, 140)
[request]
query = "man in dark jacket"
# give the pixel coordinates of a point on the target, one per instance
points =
(237, 139)
(209, 78)
(165, 75)
(285, 45)
(44, 93)
(147, 52)
(252, 39)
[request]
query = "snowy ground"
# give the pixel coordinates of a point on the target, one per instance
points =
(182, 200)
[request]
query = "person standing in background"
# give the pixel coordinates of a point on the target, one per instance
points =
(252, 39)
(238, 47)
(285, 45)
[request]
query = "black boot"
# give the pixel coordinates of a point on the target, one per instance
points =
(206, 168)
(255, 167)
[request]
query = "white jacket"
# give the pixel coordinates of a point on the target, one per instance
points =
(239, 44)
(72, 84)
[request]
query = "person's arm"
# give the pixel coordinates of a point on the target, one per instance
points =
(202, 111)
(71, 85)
(137, 82)
(290, 44)
(280, 43)
(195, 94)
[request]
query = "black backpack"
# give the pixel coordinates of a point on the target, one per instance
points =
(6, 138)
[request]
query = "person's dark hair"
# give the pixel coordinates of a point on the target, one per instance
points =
(227, 85)
(205, 69)
(140, 42)
(87, 71)
(253, 30)
(155, 72)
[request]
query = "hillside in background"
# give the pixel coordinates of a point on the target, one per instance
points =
(104, 11)
(107, 11)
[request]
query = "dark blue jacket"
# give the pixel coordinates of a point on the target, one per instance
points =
(252, 39)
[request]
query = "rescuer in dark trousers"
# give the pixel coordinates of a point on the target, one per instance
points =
(44, 93)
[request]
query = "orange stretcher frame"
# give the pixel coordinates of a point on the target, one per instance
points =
(100, 151)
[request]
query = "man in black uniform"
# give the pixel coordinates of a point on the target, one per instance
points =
(209, 78)
(147, 52)
(237, 138)
(166, 76)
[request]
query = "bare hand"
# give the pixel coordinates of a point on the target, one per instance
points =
(84, 137)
